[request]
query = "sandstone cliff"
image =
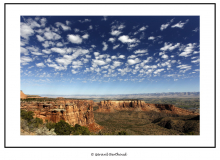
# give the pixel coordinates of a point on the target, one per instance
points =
(72, 111)
(138, 105)
(22, 95)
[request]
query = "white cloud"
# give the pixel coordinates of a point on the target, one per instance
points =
(140, 51)
(88, 56)
(74, 38)
(43, 22)
(132, 56)
(184, 66)
(142, 28)
(51, 35)
(24, 51)
(122, 57)
(85, 36)
(59, 44)
(26, 31)
(73, 71)
(165, 56)
(98, 62)
(133, 61)
(56, 67)
(40, 65)
(48, 43)
(179, 24)
(77, 64)
(37, 53)
(187, 50)
(111, 40)
(164, 26)
(116, 64)
(25, 60)
(174, 47)
(126, 39)
(196, 61)
(62, 51)
(39, 38)
(115, 33)
(96, 54)
(151, 38)
(90, 27)
(105, 46)
(63, 26)
(108, 60)
(115, 47)
(158, 71)
(113, 57)
(47, 51)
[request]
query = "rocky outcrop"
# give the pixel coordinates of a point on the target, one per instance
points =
(138, 105)
(22, 95)
(72, 111)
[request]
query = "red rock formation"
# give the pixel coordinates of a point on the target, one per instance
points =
(72, 111)
(22, 95)
(137, 105)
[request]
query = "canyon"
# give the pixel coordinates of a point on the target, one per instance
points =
(138, 105)
(81, 111)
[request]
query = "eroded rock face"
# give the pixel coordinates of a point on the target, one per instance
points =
(138, 105)
(72, 111)
(22, 95)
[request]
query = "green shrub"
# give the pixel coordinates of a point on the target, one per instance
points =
(63, 128)
(50, 125)
(27, 115)
(80, 130)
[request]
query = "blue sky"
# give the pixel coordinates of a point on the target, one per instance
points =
(66, 55)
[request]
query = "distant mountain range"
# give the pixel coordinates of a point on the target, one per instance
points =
(131, 96)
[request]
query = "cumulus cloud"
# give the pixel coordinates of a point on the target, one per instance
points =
(133, 61)
(115, 33)
(179, 24)
(126, 39)
(158, 71)
(165, 56)
(85, 36)
(37, 53)
(48, 44)
(116, 64)
(196, 61)
(62, 51)
(77, 64)
(39, 38)
(59, 44)
(63, 26)
(188, 50)
(24, 51)
(116, 46)
(74, 39)
(111, 40)
(122, 56)
(98, 62)
(140, 51)
(164, 26)
(96, 54)
(26, 31)
(51, 35)
(105, 46)
(25, 60)
(40, 64)
(151, 38)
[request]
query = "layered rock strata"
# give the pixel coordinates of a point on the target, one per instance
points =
(72, 111)
(138, 105)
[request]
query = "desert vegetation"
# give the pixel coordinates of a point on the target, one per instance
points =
(35, 126)
(146, 123)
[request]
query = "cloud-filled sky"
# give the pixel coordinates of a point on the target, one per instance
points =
(66, 55)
